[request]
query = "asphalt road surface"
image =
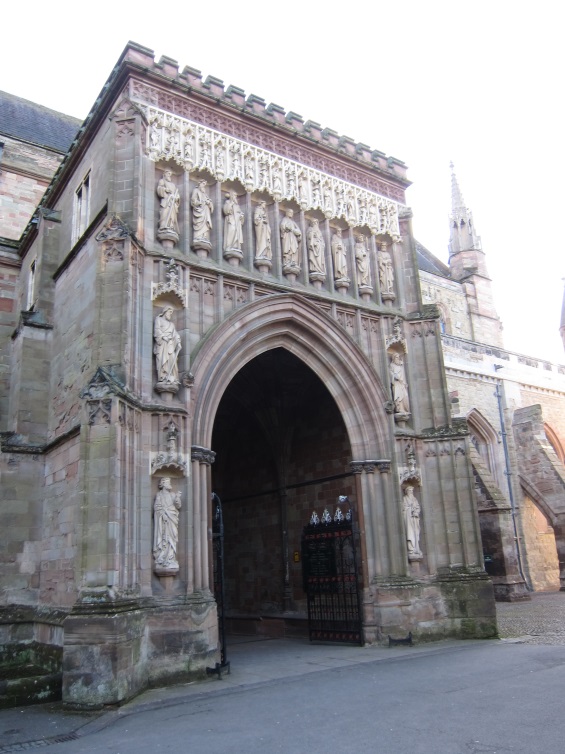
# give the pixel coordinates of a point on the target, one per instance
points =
(469, 698)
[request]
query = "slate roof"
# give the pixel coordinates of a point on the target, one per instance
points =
(427, 262)
(22, 119)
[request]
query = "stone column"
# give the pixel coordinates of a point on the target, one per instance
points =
(202, 458)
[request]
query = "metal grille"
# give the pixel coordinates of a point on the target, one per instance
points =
(331, 582)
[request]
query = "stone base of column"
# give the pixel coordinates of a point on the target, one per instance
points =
(115, 650)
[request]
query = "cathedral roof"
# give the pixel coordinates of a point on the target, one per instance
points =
(427, 262)
(28, 121)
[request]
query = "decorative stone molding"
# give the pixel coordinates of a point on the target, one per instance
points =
(412, 472)
(171, 285)
(112, 238)
(197, 147)
(369, 466)
(397, 338)
(204, 455)
(170, 457)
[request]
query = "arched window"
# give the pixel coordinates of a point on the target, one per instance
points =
(554, 442)
(485, 439)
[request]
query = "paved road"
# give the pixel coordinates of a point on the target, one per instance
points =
(290, 697)
(470, 699)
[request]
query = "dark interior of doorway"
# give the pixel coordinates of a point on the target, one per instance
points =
(282, 451)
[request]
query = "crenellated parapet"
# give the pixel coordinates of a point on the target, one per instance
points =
(166, 70)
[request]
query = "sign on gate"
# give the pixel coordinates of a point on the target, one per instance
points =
(331, 582)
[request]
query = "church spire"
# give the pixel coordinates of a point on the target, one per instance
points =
(462, 229)
(467, 265)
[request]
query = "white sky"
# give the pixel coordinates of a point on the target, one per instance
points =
(477, 83)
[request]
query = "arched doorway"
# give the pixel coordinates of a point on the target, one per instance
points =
(282, 450)
(287, 333)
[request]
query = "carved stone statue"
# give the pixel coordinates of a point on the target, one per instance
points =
(362, 260)
(263, 250)
(233, 227)
(339, 256)
(166, 349)
(291, 237)
(316, 252)
(411, 514)
(168, 230)
(202, 209)
(386, 272)
(166, 527)
(398, 385)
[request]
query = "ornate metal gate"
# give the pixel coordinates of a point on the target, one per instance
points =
(331, 581)
(219, 589)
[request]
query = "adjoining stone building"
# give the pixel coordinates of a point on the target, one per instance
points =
(515, 409)
(224, 299)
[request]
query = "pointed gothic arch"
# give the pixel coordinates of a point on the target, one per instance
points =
(485, 439)
(555, 442)
(292, 322)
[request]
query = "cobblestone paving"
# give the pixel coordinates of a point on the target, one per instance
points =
(540, 620)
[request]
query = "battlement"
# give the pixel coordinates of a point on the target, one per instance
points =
(234, 97)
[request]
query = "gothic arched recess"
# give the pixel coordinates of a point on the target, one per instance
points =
(287, 401)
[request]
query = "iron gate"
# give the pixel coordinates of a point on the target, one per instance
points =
(219, 587)
(331, 581)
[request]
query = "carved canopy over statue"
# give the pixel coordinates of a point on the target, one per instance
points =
(166, 527)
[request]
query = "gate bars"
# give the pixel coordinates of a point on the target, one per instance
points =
(330, 577)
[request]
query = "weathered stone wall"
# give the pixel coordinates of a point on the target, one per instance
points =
(26, 172)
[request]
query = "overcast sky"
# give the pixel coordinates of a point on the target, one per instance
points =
(477, 83)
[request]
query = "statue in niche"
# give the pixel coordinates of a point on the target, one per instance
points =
(328, 201)
(290, 181)
(362, 203)
(263, 171)
(277, 182)
(167, 348)
(339, 256)
(249, 170)
(291, 237)
(202, 209)
(262, 232)
(362, 260)
(233, 223)
(170, 201)
(398, 385)
(166, 520)
(316, 191)
(373, 215)
(340, 194)
(316, 249)
(205, 144)
(220, 159)
(235, 160)
(386, 272)
(411, 514)
(303, 190)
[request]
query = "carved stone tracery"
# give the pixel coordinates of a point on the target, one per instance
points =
(190, 145)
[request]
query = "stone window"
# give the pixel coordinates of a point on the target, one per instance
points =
(81, 215)
(30, 297)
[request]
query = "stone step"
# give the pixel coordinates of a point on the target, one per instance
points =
(21, 685)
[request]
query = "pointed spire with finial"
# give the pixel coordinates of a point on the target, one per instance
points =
(462, 236)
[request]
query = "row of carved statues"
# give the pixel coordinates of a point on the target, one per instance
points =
(291, 239)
